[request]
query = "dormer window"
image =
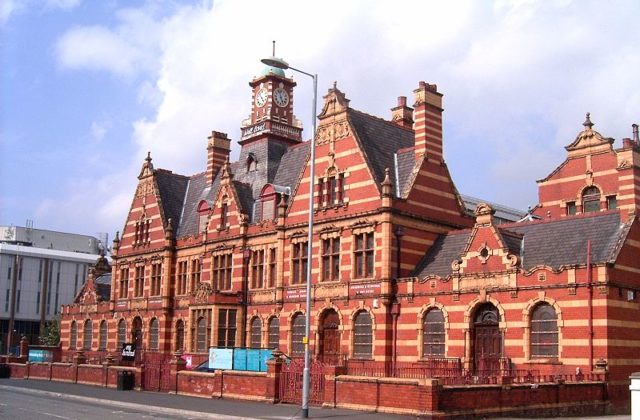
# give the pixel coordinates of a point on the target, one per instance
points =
(252, 163)
(269, 198)
(612, 202)
(590, 200)
(203, 216)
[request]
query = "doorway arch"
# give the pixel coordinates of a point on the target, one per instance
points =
(329, 337)
(487, 340)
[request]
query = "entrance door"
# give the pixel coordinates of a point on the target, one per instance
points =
(330, 338)
(136, 333)
(487, 341)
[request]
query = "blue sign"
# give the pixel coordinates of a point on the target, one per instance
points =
(240, 359)
(265, 355)
(253, 360)
(220, 358)
(40, 356)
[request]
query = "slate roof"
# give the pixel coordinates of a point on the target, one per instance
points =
(103, 286)
(380, 140)
(552, 243)
(172, 190)
(503, 213)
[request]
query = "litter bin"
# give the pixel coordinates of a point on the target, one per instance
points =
(125, 380)
(4, 371)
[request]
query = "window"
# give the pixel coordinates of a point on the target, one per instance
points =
(180, 335)
(256, 333)
(222, 271)
(297, 334)
(590, 200)
(203, 220)
(299, 262)
(138, 282)
(124, 283)
(227, 328)
(433, 334)
(252, 163)
(612, 202)
(272, 267)
(331, 259)
(274, 333)
(571, 208)
(362, 336)
(201, 335)
(331, 190)
(257, 269)
(154, 333)
(87, 336)
(195, 274)
(224, 215)
(200, 330)
(122, 333)
(141, 235)
(544, 331)
(181, 283)
(156, 278)
(364, 255)
(102, 340)
(73, 339)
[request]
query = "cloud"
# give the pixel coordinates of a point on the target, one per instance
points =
(9, 8)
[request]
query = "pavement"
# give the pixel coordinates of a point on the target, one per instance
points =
(179, 405)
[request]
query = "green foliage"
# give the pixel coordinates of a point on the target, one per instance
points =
(51, 334)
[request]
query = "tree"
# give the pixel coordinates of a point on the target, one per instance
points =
(51, 333)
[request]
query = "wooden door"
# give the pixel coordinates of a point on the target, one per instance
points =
(330, 338)
(487, 343)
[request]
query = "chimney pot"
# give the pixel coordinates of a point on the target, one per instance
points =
(402, 101)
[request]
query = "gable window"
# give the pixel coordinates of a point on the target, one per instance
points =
(227, 327)
(141, 234)
(571, 208)
(224, 215)
(299, 262)
(331, 190)
(181, 278)
(433, 334)
(257, 269)
(274, 333)
(73, 339)
(138, 282)
(612, 202)
(362, 336)
(544, 331)
(102, 340)
(222, 265)
(124, 283)
(364, 255)
(331, 259)
(156, 278)
(590, 200)
(122, 333)
(87, 336)
(297, 335)
(154, 333)
(256, 333)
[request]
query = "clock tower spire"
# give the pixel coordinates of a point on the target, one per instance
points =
(272, 109)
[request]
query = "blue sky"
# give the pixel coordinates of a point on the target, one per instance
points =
(88, 87)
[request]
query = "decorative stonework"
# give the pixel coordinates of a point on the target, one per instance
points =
(145, 188)
(202, 292)
(332, 132)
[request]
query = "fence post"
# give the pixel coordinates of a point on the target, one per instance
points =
(274, 370)
(108, 361)
(177, 364)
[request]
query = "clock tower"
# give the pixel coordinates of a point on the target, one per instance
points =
(271, 109)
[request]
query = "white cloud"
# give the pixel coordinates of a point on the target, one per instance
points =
(517, 76)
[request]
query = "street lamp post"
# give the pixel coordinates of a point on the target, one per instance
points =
(306, 378)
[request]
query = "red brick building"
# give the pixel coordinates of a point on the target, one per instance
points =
(402, 272)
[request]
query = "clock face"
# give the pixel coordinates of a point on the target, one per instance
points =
(261, 97)
(281, 97)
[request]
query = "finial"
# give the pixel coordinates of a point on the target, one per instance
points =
(335, 84)
(273, 53)
(587, 122)
(148, 159)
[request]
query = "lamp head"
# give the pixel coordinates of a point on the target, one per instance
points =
(275, 62)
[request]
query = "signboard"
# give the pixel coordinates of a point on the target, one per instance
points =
(220, 358)
(188, 359)
(294, 294)
(240, 359)
(265, 355)
(254, 360)
(40, 356)
(364, 289)
(128, 352)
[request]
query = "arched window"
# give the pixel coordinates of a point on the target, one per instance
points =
(544, 331)
(102, 341)
(252, 163)
(87, 335)
(274, 333)
(590, 200)
(122, 333)
(180, 335)
(297, 334)
(362, 336)
(201, 335)
(73, 339)
(154, 332)
(256, 333)
(433, 334)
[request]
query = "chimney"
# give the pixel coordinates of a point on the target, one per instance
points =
(635, 133)
(218, 148)
(402, 115)
(428, 122)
